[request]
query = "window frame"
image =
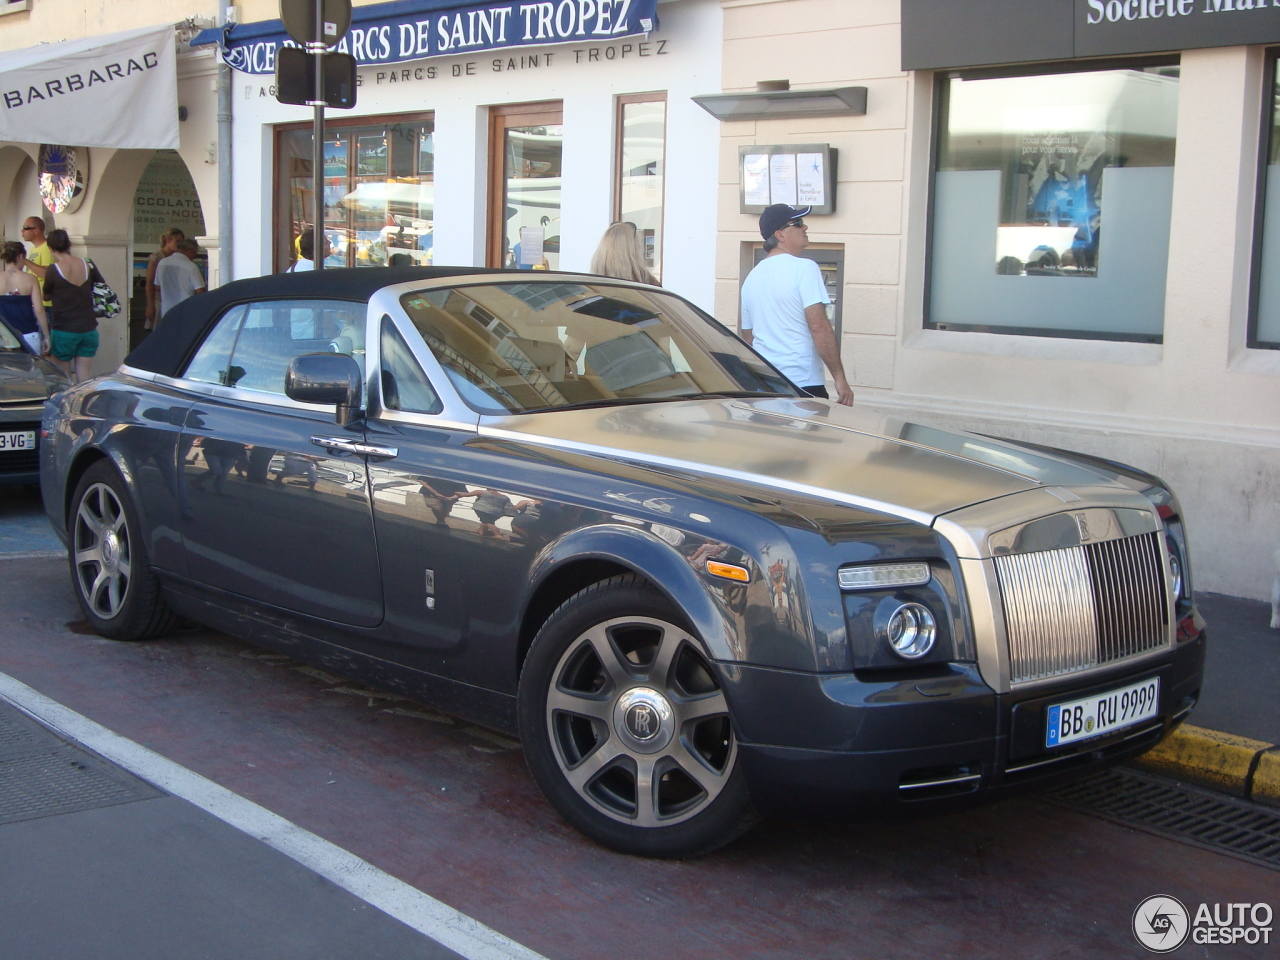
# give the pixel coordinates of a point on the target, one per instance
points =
(1270, 114)
(249, 394)
(620, 101)
(387, 325)
(937, 134)
(282, 225)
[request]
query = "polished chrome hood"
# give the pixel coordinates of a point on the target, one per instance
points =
(851, 455)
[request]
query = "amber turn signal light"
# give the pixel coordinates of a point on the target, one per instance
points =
(728, 570)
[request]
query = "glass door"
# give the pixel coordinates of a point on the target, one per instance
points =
(525, 149)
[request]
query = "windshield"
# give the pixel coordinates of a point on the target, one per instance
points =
(521, 347)
(9, 341)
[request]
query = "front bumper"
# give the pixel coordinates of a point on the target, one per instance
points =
(837, 746)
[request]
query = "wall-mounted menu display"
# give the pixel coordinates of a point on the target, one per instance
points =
(801, 174)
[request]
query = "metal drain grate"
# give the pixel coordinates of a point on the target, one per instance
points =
(43, 776)
(1178, 811)
(18, 734)
(66, 781)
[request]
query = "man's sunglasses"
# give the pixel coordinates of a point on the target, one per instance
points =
(796, 223)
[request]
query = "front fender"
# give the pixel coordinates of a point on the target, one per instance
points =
(137, 431)
(655, 560)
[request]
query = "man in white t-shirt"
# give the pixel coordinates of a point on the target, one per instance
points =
(178, 277)
(784, 312)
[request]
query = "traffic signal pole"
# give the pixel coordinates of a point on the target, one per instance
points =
(317, 49)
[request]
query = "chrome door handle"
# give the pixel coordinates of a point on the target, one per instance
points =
(373, 450)
(336, 443)
(351, 446)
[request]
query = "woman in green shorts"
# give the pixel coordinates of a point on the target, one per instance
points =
(68, 283)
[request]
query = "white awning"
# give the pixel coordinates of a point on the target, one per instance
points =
(115, 90)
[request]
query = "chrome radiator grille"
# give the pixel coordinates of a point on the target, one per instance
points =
(1071, 609)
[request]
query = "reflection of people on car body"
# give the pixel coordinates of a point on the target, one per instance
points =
(706, 552)
(219, 456)
(490, 507)
(440, 496)
(526, 524)
(297, 465)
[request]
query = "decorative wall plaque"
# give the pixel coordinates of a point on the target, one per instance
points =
(64, 176)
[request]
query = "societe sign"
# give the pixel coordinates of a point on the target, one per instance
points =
(938, 34)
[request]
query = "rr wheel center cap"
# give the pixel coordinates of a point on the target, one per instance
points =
(644, 720)
(110, 551)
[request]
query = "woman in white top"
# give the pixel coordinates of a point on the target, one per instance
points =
(21, 301)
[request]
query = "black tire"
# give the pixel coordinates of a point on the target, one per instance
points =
(616, 694)
(119, 593)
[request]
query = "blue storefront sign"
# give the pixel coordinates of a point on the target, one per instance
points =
(418, 29)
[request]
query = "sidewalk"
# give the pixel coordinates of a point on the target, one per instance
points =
(1230, 741)
(103, 864)
(1242, 669)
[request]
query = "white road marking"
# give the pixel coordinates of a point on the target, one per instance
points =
(34, 555)
(410, 906)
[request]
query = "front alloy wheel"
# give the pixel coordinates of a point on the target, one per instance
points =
(640, 729)
(102, 551)
(634, 744)
(117, 589)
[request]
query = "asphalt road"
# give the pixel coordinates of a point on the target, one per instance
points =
(451, 810)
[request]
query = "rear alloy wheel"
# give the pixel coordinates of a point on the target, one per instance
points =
(117, 590)
(626, 728)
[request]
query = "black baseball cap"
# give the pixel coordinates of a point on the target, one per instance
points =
(778, 216)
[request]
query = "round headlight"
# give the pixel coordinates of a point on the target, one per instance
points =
(1175, 575)
(911, 630)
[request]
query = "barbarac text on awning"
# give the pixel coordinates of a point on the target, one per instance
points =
(114, 90)
(396, 32)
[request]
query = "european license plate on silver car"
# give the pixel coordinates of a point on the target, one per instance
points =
(1102, 713)
(18, 440)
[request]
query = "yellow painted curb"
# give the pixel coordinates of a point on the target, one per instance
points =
(1266, 779)
(1218, 760)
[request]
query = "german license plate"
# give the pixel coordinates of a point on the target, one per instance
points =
(18, 440)
(1102, 713)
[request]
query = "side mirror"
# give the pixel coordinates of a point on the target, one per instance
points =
(326, 378)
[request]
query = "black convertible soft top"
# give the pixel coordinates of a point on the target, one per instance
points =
(170, 345)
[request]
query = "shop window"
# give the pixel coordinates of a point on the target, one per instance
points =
(379, 192)
(641, 170)
(1265, 330)
(525, 148)
(1051, 203)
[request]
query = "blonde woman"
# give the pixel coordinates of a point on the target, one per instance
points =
(619, 255)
